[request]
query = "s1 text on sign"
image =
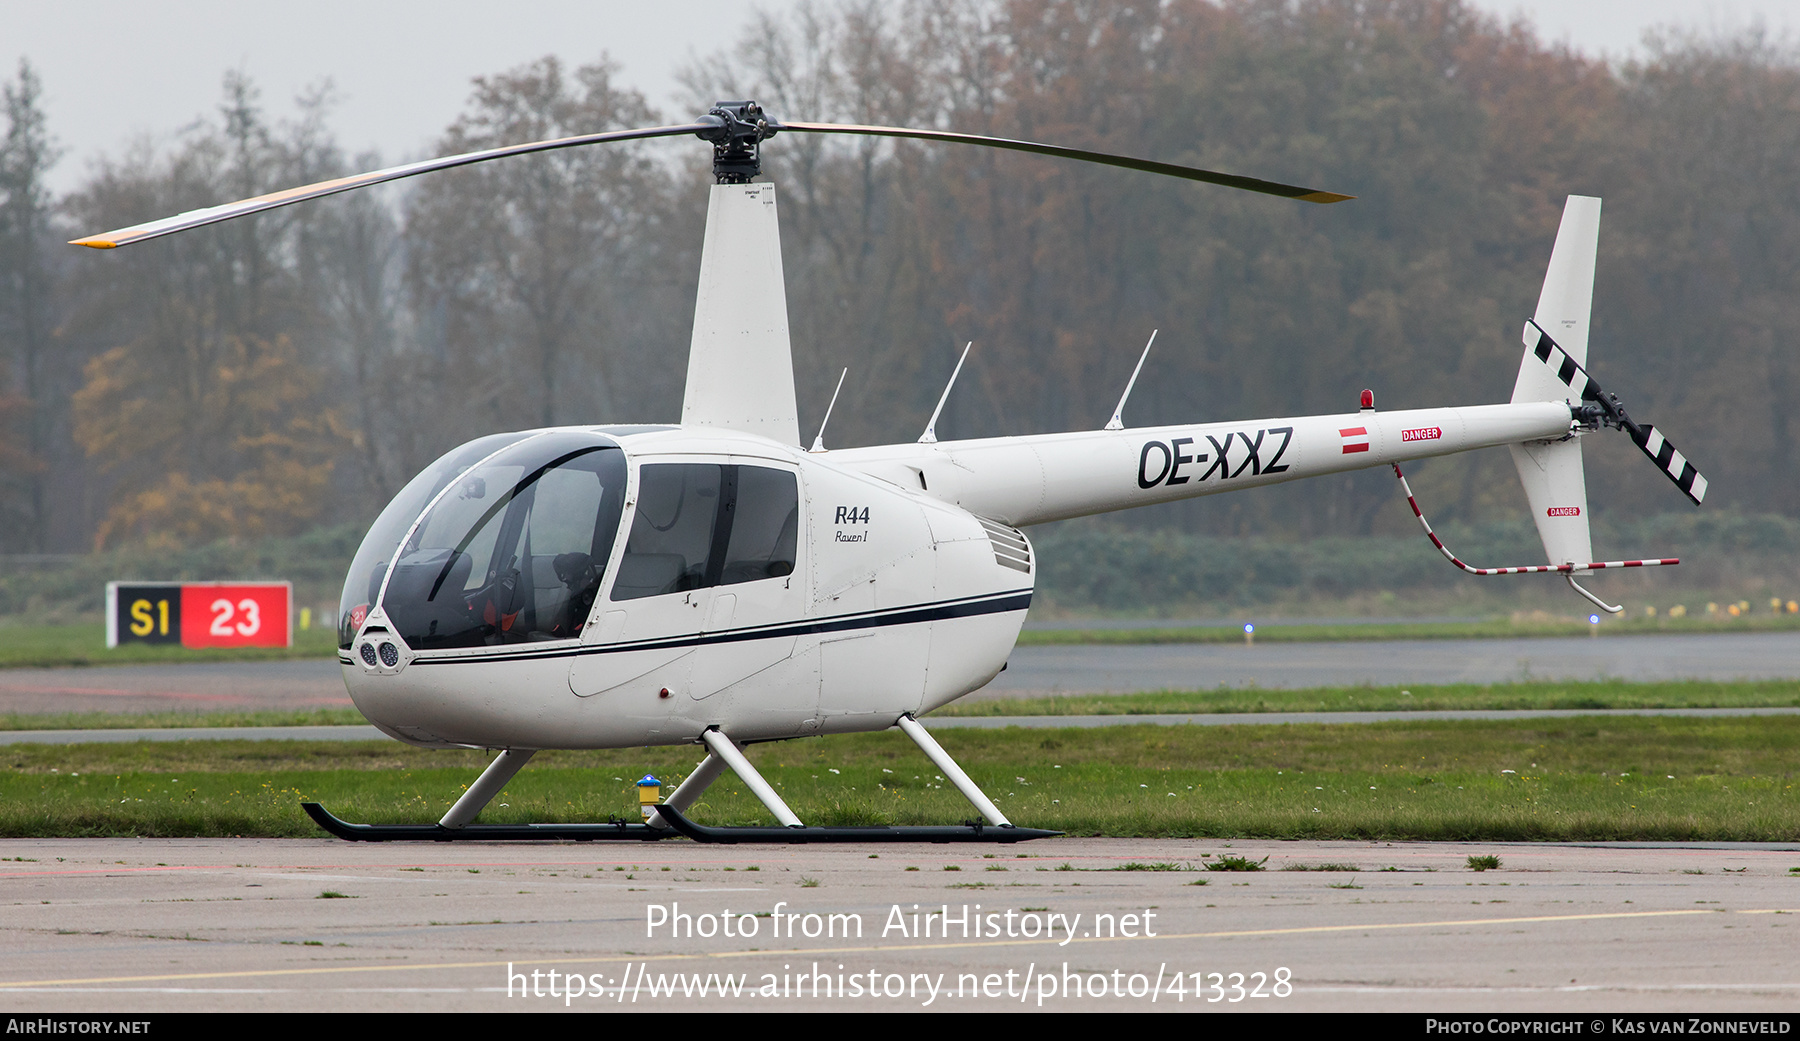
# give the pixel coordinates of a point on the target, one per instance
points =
(143, 612)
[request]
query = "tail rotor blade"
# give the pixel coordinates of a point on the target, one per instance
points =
(1671, 462)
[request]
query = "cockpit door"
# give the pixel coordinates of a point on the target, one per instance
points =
(761, 594)
(659, 597)
(706, 592)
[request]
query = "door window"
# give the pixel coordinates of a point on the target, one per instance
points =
(702, 524)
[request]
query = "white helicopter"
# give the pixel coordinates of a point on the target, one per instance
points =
(715, 582)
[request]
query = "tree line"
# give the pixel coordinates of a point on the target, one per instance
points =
(293, 369)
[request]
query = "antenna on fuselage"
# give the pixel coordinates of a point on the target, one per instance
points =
(1117, 422)
(818, 444)
(929, 437)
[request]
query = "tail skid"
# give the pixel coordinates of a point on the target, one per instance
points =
(1568, 571)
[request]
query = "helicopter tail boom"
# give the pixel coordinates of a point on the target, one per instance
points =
(1036, 479)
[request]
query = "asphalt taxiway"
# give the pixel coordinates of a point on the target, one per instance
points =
(1126, 668)
(1055, 925)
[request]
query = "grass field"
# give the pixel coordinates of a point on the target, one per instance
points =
(1644, 778)
(312, 717)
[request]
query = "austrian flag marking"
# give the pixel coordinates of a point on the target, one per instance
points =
(1356, 439)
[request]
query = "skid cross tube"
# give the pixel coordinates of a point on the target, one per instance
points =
(691, 789)
(914, 729)
(725, 749)
(509, 762)
(726, 753)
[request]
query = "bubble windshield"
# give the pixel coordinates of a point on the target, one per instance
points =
(371, 561)
(515, 551)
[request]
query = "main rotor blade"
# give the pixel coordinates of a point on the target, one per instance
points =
(214, 214)
(1249, 184)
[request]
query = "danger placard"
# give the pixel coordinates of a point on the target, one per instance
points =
(200, 614)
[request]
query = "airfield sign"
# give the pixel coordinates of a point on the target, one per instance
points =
(200, 614)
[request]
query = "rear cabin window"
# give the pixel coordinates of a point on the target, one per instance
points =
(705, 524)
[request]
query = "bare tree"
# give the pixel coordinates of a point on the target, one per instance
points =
(523, 268)
(202, 408)
(26, 299)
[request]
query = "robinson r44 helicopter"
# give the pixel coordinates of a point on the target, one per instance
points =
(715, 582)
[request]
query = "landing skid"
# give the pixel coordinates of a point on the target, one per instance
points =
(665, 819)
(490, 832)
(974, 831)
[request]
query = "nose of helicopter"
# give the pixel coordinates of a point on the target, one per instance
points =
(466, 700)
(396, 704)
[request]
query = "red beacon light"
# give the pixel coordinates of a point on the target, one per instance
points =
(1368, 400)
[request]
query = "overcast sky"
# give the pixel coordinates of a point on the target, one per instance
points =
(115, 71)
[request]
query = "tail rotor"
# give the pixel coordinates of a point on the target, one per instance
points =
(1551, 470)
(1599, 408)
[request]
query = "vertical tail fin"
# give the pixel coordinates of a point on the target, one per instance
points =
(1551, 471)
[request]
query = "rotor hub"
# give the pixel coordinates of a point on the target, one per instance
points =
(737, 130)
